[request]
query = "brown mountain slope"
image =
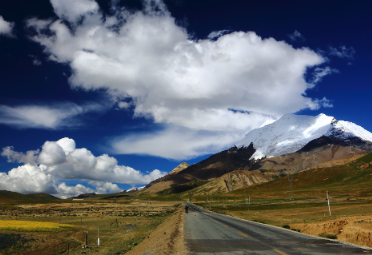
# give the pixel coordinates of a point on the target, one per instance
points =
(322, 152)
(212, 167)
(269, 169)
(231, 181)
(328, 155)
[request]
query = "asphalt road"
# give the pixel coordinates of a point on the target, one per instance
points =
(211, 233)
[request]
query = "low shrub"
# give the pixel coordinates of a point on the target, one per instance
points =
(329, 236)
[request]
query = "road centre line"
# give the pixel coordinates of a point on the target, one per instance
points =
(280, 252)
(225, 225)
(244, 235)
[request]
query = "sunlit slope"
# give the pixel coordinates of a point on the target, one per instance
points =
(353, 179)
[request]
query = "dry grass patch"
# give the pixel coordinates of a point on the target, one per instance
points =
(32, 226)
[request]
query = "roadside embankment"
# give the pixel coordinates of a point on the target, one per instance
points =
(357, 230)
(167, 238)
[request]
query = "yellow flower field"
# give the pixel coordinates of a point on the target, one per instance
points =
(18, 225)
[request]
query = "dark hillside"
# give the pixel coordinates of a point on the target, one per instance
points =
(10, 197)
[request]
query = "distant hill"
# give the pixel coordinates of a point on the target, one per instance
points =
(86, 195)
(12, 197)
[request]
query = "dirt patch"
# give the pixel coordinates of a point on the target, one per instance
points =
(357, 230)
(167, 238)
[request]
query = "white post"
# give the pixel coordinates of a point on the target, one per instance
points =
(98, 236)
(329, 206)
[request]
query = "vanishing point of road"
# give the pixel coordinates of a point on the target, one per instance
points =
(210, 233)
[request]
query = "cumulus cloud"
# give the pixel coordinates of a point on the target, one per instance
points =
(296, 36)
(64, 191)
(28, 179)
(48, 117)
(62, 160)
(6, 28)
(105, 187)
(342, 52)
(203, 85)
(73, 10)
(29, 158)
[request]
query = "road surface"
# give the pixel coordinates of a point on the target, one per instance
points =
(211, 233)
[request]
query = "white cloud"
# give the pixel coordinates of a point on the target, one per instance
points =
(6, 28)
(296, 36)
(52, 154)
(49, 117)
(73, 10)
(62, 160)
(216, 34)
(64, 191)
(176, 143)
(320, 72)
(105, 187)
(124, 105)
(342, 52)
(29, 158)
(27, 179)
(146, 56)
(316, 104)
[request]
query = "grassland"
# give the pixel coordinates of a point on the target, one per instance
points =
(122, 223)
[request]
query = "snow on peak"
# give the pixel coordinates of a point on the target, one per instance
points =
(134, 189)
(292, 132)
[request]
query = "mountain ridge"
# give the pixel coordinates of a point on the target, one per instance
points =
(298, 142)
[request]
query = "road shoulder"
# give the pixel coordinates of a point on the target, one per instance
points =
(167, 238)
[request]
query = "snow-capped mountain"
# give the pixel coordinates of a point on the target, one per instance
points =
(134, 189)
(292, 132)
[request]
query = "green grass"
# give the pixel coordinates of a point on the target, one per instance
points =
(366, 159)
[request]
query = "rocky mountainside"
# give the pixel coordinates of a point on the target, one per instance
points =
(291, 144)
(179, 168)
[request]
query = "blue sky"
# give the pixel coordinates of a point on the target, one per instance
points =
(133, 88)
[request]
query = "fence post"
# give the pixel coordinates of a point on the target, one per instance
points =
(98, 235)
(86, 239)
